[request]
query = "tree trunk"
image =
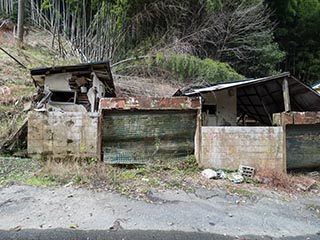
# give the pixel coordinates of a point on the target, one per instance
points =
(20, 20)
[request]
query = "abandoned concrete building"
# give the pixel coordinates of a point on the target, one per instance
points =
(270, 122)
(79, 116)
(264, 123)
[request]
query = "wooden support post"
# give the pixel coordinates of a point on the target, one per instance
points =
(286, 95)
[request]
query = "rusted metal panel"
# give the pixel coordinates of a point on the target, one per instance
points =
(303, 146)
(229, 147)
(155, 103)
(131, 137)
(296, 118)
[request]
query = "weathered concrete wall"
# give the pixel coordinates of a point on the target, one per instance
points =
(63, 135)
(228, 147)
(226, 110)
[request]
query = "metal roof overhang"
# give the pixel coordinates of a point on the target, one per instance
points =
(260, 98)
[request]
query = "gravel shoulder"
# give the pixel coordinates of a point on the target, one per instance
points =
(208, 211)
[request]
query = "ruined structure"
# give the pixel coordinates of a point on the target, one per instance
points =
(240, 124)
(65, 123)
(79, 116)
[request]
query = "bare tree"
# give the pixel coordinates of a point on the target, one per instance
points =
(20, 30)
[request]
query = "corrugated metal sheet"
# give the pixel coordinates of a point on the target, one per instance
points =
(260, 98)
(303, 143)
(138, 130)
(143, 136)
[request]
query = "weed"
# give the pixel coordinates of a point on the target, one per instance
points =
(315, 208)
(240, 191)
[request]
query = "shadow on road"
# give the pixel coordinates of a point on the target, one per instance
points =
(68, 234)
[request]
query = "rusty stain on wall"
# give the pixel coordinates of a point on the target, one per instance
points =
(297, 118)
(154, 103)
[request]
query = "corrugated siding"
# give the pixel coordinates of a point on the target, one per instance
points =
(141, 136)
(303, 143)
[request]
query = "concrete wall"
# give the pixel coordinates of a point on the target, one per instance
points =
(226, 112)
(228, 147)
(63, 135)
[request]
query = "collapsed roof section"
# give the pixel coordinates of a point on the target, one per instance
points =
(100, 69)
(260, 98)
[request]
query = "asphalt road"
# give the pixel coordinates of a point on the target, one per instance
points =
(67, 234)
(205, 214)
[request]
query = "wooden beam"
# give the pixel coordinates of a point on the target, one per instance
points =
(286, 95)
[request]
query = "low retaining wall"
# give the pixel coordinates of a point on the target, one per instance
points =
(63, 135)
(228, 147)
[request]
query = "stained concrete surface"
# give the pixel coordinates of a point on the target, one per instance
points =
(212, 212)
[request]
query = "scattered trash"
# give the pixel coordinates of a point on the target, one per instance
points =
(307, 186)
(68, 184)
(17, 228)
(246, 171)
(209, 173)
(145, 179)
(116, 226)
(170, 223)
(236, 177)
(222, 174)
(75, 226)
(314, 174)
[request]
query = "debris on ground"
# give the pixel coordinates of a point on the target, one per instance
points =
(116, 226)
(246, 171)
(314, 174)
(236, 177)
(222, 174)
(209, 173)
(306, 186)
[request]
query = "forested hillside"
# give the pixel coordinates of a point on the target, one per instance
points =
(189, 39)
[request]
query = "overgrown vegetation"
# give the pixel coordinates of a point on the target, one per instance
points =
(184, 67)
(16, 86)
(22, 170)
(239, 32)
(139, 181)
(133, 181)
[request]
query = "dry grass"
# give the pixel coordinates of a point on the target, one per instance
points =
(78, 172)
(290, 183)
(134, 181)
